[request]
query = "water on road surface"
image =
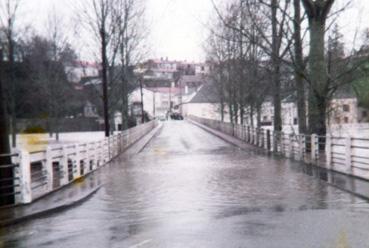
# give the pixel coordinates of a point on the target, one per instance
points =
(188, 189)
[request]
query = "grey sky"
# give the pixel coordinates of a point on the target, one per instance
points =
(177, 27)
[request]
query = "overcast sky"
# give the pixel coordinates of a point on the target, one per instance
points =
(177, 27)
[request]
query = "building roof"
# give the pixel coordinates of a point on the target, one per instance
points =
(191, 79)
(344, 92)
(166, 90)
(90, 81)
(206, 94)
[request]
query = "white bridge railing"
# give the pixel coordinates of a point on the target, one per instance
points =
(36, 174)
(348, 155)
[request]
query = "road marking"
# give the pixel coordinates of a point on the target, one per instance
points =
(141, 244)
(159, 151)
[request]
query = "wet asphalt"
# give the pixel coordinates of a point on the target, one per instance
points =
(188, 188)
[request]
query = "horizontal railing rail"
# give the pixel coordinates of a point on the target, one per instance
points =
(348, 155)
(38, 173)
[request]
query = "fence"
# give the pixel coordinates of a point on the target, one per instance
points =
(347, 155)
(36, 174)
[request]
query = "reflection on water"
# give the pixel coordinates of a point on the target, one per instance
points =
(190, 189)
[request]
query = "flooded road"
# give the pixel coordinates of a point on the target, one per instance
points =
(188, 189)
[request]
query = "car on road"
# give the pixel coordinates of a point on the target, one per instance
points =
(176, 116)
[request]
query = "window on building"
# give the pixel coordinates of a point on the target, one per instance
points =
(346, 108)
(338, 120)
(202, 68)
(346, 120)
(265, 118)
(294, 121)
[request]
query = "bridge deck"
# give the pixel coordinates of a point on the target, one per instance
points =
(188, 188)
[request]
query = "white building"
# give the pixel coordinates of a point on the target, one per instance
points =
(202, 69)
(82, 69)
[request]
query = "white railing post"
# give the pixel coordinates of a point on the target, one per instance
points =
(328, 151)
(100, 153)
(25, 176)
(289, 152)
(314, 146)
(77, 161)
(113, 146)
(64, 166)
(90, 149)
(49, 169)
(83, 154)
(107, 150)
(348, 142)
(116, 145)
(301, 147)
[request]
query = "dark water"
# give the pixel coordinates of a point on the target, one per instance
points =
(188, 188)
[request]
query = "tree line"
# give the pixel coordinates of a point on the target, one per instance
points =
(266, 50)
(34, 80)
(34, 71)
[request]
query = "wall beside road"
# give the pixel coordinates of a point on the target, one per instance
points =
(64, 125)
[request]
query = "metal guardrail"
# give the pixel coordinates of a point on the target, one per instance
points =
(348, 155)
(38, 173)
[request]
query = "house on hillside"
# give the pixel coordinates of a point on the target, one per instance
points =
(82, 69)
(345, 109)
(202, 69)
(204, 103)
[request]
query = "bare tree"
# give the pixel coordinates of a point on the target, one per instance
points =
(8, 14)
(216, 55)
(99, 17)
(132, 34)
(117, 26)
(276, 40)
(52, 74)
(299, 68)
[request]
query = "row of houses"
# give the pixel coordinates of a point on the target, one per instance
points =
(164, 85)
(345, 116)
(180, 86)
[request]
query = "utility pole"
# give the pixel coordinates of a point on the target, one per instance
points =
(142, 104)
(153, 103)
(170, 97)
(180, 98)
(6, 171)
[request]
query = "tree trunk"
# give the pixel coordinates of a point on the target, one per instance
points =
(235, 109)
(125, 114)
(318, 77)
(242, 115)
(12, 87)
(276, 69)
(252, 116)
(230, 112)
(222, 110)
(5, 173)
(105, 80)
(299, 69)
(258, 116)
(222, 96)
